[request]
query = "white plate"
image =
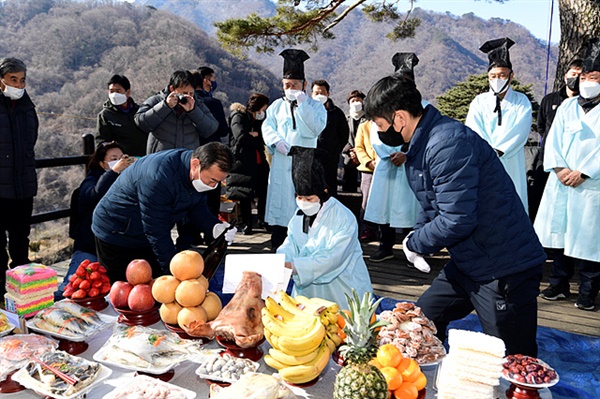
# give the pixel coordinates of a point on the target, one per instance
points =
(73, 338)
(8, 330)
(538, 386)
(142, 378)
(215, 377)
(21, 377)
(149, 370)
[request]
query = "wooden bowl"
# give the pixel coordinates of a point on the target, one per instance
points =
(97, 303)
(182, 334)
(253, 353)
(135, 318)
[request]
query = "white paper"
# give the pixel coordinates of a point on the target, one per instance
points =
(270, 266)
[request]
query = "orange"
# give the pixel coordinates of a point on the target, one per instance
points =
(392, 377)
(375, 363)
(411, 373)
(407, 390)
(341, 322)
(420, 382)
(389, 355)
(404, 363)
(342, 335)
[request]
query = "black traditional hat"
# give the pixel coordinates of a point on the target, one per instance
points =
(404, 63)
(293, 63)
(497, 51)
(591, 60)
(308, 174)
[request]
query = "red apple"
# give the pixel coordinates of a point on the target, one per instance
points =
(140, 298)
(119, 294)
(138, 271)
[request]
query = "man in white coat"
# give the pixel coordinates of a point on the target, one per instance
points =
(502, 116)
(293, 120)
(569, 213)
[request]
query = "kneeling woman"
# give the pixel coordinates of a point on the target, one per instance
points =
(322, 246)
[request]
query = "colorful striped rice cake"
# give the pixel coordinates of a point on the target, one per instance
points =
(30, 281)
(28, 307)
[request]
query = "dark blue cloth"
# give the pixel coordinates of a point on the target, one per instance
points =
(215, 107)
(146, 201)
(469, 203)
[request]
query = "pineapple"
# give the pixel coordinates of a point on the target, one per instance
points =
(358, 379)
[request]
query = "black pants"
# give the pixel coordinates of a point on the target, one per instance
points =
(15, 220)
(506, 307)
(388, 236)
(115, 259)
(262, 183)
(536, 190)
(330, 169)
(563, 268)
(213, 200)
(278, 236)
(350, 183)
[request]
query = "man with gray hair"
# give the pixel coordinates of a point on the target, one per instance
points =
(18, 179)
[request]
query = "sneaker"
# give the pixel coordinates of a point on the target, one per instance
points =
(584, 303)
(381, 255)
(553, 293)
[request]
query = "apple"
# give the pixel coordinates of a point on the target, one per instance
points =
(140, 298)
(119, 294)
(138, 271)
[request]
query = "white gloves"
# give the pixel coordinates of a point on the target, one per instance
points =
(219, 228)
(300, 97)
(282, 147)
(417, 260)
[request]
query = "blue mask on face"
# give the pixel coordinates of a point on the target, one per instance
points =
(213, 85)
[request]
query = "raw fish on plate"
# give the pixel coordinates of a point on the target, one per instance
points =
(88, 315)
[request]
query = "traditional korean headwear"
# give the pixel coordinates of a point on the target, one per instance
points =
(404, 63)
(591, 60)
(293, 63)
(497, 51)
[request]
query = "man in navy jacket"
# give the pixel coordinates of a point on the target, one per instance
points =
(135, 217)
(469, 206)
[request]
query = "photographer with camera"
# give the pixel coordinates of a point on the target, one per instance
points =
(175, 118)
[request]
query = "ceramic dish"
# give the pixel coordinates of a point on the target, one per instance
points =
(74, 338)
(8, 330)
(127, 387)
(536, 386)
(149, 370)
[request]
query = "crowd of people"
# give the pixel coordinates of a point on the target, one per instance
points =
(440, 183)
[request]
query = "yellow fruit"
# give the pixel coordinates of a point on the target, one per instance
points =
(190, 293)
(203, 281)
(188, 315)
(389, 355)
(406, 390)
(420, 382)
(392, 377)
(169, 311)
(186, 265)
(212, 304)
(163, 289)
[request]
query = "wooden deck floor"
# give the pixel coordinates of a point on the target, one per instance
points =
(395, 279)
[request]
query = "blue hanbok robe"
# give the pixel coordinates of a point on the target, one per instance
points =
(568, 217)
(391, 200)
(510, 137)
(311, 118)
(329, 259)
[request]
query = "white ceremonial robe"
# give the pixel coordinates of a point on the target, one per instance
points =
(568, 217)
(311, 118)
(391, 200)
(329, 259)
(510, 137)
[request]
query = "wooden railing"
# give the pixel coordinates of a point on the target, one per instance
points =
(88, 149)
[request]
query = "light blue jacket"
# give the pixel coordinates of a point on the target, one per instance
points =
(510, 137)
(310, 118)
(391, 201)
(569, 217)
(328, 260)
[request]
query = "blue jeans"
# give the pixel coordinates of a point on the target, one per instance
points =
(78, 257)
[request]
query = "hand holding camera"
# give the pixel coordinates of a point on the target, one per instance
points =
(184, 100)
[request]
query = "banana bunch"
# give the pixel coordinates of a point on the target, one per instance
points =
(303, 335)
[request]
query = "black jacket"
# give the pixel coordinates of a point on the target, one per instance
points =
(115, 124)
(18, 135)
(335, 135)
(215, 107)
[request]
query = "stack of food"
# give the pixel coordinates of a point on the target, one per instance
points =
(403, 375)
(473, 366)
(29, 289)
(411, 332)
(68, 319)
(135, 294)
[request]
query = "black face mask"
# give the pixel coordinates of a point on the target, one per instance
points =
(391, 137)
(573, 84)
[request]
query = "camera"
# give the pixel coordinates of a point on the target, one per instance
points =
(182, 99)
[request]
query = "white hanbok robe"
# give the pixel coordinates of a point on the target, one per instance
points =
(391, 200)
(311, 118)
(510, 137)
(568, 217)
(329, 259)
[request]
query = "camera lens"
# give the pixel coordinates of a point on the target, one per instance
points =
(182, 99)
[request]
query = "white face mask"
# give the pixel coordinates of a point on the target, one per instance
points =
(111, 164)
(291, 94)
(589, 89)
(117, 98)
(13, 93)
(260, 115)
(356, 107)
(200, 186)
(499, 85)
(320, 98)
(309, 208)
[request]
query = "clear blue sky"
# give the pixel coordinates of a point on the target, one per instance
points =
(532, 14)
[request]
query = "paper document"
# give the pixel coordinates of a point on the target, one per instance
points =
(271, 267)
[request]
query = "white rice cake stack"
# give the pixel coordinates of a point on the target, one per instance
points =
(472, 367)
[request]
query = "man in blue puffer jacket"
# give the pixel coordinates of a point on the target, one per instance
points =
(135, 217)
(470, 206)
